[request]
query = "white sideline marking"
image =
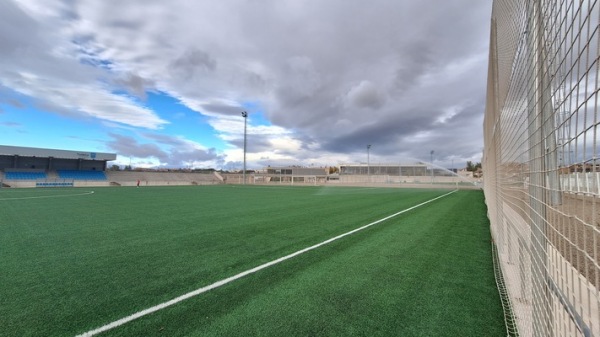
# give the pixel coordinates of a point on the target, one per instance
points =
(240, 275)
(49, 196)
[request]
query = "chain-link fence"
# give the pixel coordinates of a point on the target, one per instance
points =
(541, 169)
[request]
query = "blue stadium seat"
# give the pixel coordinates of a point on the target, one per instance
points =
(81, 175)
(25, 175)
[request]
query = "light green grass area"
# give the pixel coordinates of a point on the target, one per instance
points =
(71, 263)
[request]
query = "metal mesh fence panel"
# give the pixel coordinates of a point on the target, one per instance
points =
(541, 169)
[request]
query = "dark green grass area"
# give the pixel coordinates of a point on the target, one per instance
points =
(70, 264)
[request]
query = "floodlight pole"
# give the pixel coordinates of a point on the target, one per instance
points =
(431, 153)
(245, 115)
(368, 163)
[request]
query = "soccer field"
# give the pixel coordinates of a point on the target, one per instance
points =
(73, 260)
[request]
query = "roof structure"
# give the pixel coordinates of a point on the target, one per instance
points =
(6, 150)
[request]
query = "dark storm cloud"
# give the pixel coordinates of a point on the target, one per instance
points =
(181, 158)
(255, 144)
(253, 82)
(129, 147)
(193, 62)
(412, 63)
(135, 85)
(366, 95)
(16, 29)
(67, 10)
(378, 133)
(125, 24)
(405, 76)
(222, 108)
(178, 152)
(8, 97)
(397, 70)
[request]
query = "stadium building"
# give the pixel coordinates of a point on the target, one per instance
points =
(292, 174)
(36, 167)
(401, 173)
(385, 169)
(24, 166)
(14, 158)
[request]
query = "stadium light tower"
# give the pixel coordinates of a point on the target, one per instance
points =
(431, 153)
(245, 115)
(368, 162)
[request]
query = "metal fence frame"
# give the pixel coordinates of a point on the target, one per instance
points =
(541, 168)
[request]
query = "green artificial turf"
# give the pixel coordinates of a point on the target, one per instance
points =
(73, 263)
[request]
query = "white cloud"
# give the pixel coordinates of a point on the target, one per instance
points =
(331, 76)
(90, 100)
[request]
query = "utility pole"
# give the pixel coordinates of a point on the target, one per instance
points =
(431, 154)
(368, 163)
(245, 115)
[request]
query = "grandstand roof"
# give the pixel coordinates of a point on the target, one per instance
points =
(6, 150)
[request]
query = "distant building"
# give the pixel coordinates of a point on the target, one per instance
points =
(297, 171)
(464, 173)
(292, 174)
(417, 169)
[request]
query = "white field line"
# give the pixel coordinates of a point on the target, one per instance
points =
(49, 196)
(240, 275)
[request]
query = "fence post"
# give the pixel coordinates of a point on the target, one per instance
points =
(538, 106)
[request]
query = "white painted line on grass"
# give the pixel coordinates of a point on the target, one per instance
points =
(240, 275)
(49, 196)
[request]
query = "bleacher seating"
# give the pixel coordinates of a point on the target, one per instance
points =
(81, 175)
(162, 178)
(25, 175)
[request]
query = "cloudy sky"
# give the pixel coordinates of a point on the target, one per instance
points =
(163, 83)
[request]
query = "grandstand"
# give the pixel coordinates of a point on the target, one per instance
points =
(81, 175)
(35, 167)
(148, 178)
